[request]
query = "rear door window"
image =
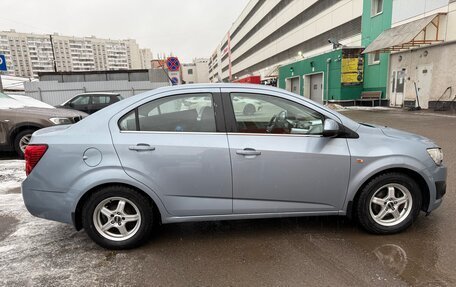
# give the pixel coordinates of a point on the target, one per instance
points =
(180, 113)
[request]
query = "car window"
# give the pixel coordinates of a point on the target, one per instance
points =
(96, 100)
(81, 100)
(182, 113)
(255, 113)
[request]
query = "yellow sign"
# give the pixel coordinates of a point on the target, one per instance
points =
(352, 67)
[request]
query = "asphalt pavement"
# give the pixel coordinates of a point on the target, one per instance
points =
(312, 251)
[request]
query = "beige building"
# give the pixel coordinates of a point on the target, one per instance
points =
(422, 60)
(146, 58)
(196, 72)
(27, 54)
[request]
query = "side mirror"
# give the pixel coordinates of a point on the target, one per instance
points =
(330, 128)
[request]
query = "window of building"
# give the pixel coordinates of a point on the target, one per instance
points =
(374, 58)
(272, 115)
(190, 71)
(182, 113)
(377, 7)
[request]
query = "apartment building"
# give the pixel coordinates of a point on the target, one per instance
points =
(146, 58)
(28, 54)
(275, 32)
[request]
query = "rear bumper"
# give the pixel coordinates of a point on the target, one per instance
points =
(45, 204)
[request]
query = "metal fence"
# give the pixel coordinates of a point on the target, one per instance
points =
(54, 92)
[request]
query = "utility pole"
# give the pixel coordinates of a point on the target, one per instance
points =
(1, 84)
(53, 54)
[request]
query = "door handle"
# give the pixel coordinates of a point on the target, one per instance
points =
(141, 147)
(248, 151)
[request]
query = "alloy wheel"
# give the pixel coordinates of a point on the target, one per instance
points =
(117, 218)
(24, 142)
(390, 204)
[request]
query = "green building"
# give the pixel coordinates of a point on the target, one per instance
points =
(344, 73)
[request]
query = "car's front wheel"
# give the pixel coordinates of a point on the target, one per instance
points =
(389, 203)
(118, 217)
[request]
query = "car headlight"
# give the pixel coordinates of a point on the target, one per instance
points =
(61, 121)
(436, 155)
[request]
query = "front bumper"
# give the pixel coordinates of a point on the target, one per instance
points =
(437, 187)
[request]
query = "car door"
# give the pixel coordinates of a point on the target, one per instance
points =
(280, 160)
(177, 151)
(98, 102)
(81, 103)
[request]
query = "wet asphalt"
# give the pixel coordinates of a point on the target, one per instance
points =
(312, 251)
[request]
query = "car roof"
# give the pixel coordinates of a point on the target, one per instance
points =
(98, 94)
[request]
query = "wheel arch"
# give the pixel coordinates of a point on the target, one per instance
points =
(76, 216)
(22, 127)
(424, 188)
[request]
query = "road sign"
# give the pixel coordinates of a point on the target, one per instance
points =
(174, 81)
(173, 64)
(2, 63)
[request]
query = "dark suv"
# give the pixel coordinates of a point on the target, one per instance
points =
(21, 116)
(91, 102)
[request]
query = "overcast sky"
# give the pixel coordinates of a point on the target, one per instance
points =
(188, 28)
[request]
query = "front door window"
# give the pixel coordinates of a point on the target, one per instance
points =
(256, 113)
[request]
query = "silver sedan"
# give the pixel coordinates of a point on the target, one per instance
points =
(156, 159)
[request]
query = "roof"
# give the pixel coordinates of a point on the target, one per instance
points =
(406, 36)
(100, 94)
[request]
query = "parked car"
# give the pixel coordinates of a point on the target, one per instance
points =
(151, 159)
(21, 116)
(91, 102)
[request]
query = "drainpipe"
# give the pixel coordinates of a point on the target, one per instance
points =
(328, 62)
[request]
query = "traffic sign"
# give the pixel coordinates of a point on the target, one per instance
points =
(2, 63)
(173, 64)
(174, 81)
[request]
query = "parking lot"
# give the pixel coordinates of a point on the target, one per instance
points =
(325, 251)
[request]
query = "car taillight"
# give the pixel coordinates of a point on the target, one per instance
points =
(33, 154)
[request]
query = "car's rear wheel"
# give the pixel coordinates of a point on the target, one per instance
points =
(389, 203)
(249, 110)
(21, 141)
(118, 217)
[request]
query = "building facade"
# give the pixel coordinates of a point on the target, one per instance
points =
(196, 72)
(28, 54)
(268, 34)
(420, 50)
(406, 58)
(146, 58)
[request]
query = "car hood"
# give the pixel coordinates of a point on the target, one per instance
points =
(49, 112)
(398, 134)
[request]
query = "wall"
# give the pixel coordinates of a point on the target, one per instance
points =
(404, 10)
(442, 60)
(55, 93)
(376, 75)
(337, 91)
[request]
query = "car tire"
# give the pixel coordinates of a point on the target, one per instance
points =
(389, 203)
(111, 223)
(249, 110)
(19, 141)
